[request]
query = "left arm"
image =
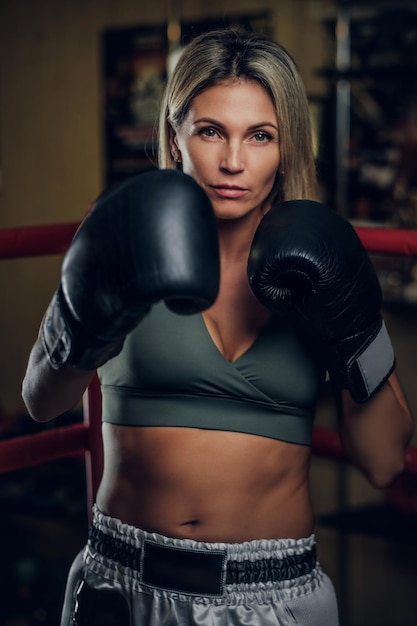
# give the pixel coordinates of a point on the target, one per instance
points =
(307, 259)
(375, 433)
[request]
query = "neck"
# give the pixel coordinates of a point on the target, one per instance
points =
(235, 237)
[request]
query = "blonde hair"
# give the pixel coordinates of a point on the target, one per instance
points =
(222, 55)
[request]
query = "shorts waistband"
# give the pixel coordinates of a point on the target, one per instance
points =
(199, 568)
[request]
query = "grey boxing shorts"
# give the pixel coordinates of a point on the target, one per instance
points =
(129, 577)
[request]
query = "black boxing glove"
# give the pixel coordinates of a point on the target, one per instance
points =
(149, 239)
(307, 258)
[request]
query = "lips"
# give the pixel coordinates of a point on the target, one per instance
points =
(229, 191)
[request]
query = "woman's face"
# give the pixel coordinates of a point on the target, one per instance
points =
(229, 143)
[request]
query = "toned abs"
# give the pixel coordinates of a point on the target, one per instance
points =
(205, 485)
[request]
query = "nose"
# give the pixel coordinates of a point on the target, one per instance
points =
(232, 158)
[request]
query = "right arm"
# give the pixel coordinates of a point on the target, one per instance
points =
(152, 238)
(49, 393)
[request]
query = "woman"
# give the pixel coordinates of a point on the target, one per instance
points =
(204, 514)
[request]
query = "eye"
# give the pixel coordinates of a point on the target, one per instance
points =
(262, 136)
(208, 131)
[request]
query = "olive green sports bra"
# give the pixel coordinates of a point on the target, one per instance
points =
(170, 373)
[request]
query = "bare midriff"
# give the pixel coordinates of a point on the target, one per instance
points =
(206, 485)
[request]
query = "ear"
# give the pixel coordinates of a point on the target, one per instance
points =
(173, 142)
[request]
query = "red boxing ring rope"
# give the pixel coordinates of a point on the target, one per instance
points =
(28, 241)
(85, 438)
(49, 239)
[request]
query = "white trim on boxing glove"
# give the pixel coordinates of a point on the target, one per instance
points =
(369, 371)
